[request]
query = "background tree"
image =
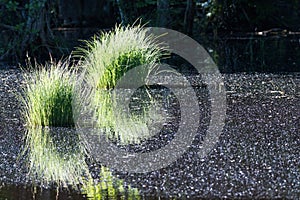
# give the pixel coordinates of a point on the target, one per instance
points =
(163, 13)
(254, 15)
(27, 27)
(37, 27)
(120, 5)
(189, 17)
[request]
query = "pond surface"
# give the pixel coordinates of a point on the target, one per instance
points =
(268, 51)
(257, 154)
(253, 52)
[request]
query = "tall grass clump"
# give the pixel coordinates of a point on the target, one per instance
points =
(54, 151)
(48, 95)
(106, 58)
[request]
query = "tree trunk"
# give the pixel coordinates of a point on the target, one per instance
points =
(121, 11)
(37, 28)
(163, 13)
(189, 17)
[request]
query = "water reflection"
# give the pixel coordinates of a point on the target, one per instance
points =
(257, 157)
(55, 155)
(106, 187)
(255, 53)
(34, 192)
(56, 158)
(109, 187)
(142, 119)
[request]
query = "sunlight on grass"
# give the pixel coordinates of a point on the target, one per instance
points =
(55, 156)
(106, 58)
(109, 187)
(48, 95)
(54, 96)
(54, 153)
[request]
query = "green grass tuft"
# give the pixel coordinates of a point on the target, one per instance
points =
(48, 95)
(48, 99)
(54, 154)
(106, 58)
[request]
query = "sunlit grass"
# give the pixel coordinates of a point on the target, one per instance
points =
(48, 95)
(55, 156)
(106, 58)
(109, 187)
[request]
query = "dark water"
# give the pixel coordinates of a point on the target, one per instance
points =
(249, 52)
(276, 53)
(272, 52)
(30, 192)
(257, 154)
